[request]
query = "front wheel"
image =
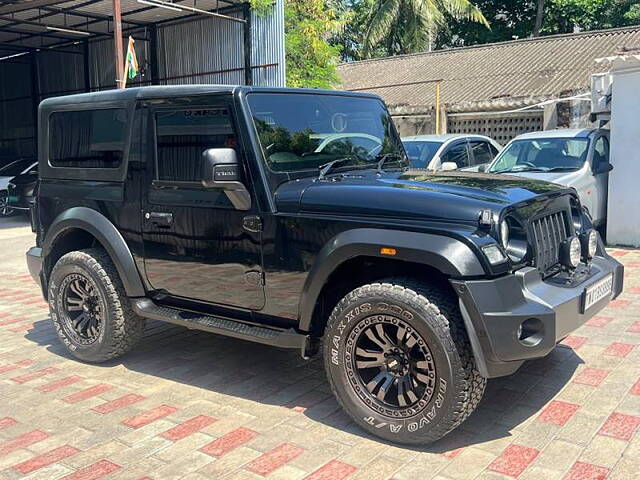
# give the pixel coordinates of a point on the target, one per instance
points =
(5, 210)
(89, 308)
(399, 361)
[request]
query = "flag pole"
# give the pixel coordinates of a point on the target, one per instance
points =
(117, 42)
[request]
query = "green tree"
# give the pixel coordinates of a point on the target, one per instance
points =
(566, 16)
(311, 59)
(408, 26)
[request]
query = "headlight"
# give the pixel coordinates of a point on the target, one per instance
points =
(504, 233)
(571, 252)
(589, 241)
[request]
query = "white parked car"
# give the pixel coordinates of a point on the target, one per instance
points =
(575, 158)
(7, 173)
(450, 151)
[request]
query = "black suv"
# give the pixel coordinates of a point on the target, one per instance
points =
(291, 218)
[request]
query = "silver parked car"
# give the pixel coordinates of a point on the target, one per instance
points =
(450, 151)
(575, 158)
(7, 173)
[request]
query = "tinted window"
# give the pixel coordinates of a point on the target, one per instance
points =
(421, 153)
(182, 136)
(87, 139)
(481, 152)
(456, 154)
(601, 152)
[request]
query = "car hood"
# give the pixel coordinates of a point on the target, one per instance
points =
(561, 178)
(443, 196)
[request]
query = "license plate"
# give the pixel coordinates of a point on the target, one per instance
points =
(597, 292)
(12, 199)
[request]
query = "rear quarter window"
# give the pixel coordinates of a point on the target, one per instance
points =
(87, 138)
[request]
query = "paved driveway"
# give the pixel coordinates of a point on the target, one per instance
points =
(194, 406)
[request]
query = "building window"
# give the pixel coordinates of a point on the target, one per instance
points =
(87, 138)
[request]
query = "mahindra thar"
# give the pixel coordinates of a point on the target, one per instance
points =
(291, 218)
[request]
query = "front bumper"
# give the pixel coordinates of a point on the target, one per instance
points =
(34, 264)
(494, 310)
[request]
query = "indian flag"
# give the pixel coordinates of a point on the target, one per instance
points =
(132, 67)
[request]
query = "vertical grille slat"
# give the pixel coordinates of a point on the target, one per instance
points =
(548, 233)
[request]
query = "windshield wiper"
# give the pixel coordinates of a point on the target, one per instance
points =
(325, 168)
(382, 159)
(562, 169)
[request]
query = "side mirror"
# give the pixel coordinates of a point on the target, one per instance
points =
(448, 166)
(482, 168)
(219, 169)
(604, 168)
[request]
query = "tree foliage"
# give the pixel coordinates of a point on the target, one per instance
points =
(408, 26)
(311, 59)
(511, 20)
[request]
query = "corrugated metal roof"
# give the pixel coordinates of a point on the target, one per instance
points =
(490, 76)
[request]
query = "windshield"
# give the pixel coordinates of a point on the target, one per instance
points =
(16, 168)
(542, 155)
(421, 153)
(301, 132)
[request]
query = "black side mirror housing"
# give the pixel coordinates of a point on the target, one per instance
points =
(483, 167)
(219, 169)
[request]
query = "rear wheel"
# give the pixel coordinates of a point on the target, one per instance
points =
(399, 361)
(89, 308)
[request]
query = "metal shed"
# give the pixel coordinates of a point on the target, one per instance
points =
(52, 47)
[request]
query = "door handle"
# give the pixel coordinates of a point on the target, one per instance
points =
(161, 219)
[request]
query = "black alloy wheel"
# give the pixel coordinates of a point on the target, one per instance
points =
(392, 364)
(84, 308)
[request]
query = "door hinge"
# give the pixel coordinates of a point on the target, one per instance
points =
(254, 278)
(252, 223)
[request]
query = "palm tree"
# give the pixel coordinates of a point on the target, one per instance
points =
(408, 26)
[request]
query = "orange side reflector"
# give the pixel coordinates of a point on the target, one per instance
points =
(388, 251)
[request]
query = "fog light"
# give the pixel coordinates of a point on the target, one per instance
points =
(530, 332)
(494, 254)
(570, 252)
(589, 242)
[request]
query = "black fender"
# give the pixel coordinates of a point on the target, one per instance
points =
(446, 254)
(108, 236)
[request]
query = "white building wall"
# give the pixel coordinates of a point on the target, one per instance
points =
(624, 180)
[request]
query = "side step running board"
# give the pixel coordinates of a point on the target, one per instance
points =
(270, 336)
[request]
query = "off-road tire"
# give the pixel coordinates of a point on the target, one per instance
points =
(121, 328)
(434, 314)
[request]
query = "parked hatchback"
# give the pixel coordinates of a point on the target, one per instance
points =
(451, 151)
(575, 158)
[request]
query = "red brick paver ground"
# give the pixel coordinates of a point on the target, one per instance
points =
(191, 405)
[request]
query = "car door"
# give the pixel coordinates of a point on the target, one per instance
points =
(456, 153)
(600, 167)
(197, 246)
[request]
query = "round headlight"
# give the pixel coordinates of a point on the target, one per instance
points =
(592, 244)
(571, 252)
(504, 233)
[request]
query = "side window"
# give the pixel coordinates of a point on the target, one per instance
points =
(494, 150)
(457, 154)
(88, 138)
(181, 137)
(481, 152)
(601, 152)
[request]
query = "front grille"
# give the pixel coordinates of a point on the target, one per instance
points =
(549, 232)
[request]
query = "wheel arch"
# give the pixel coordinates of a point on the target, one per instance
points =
(82, 227)
(417, 254)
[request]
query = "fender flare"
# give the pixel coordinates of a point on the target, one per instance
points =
(448, 255)
(108, 236)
